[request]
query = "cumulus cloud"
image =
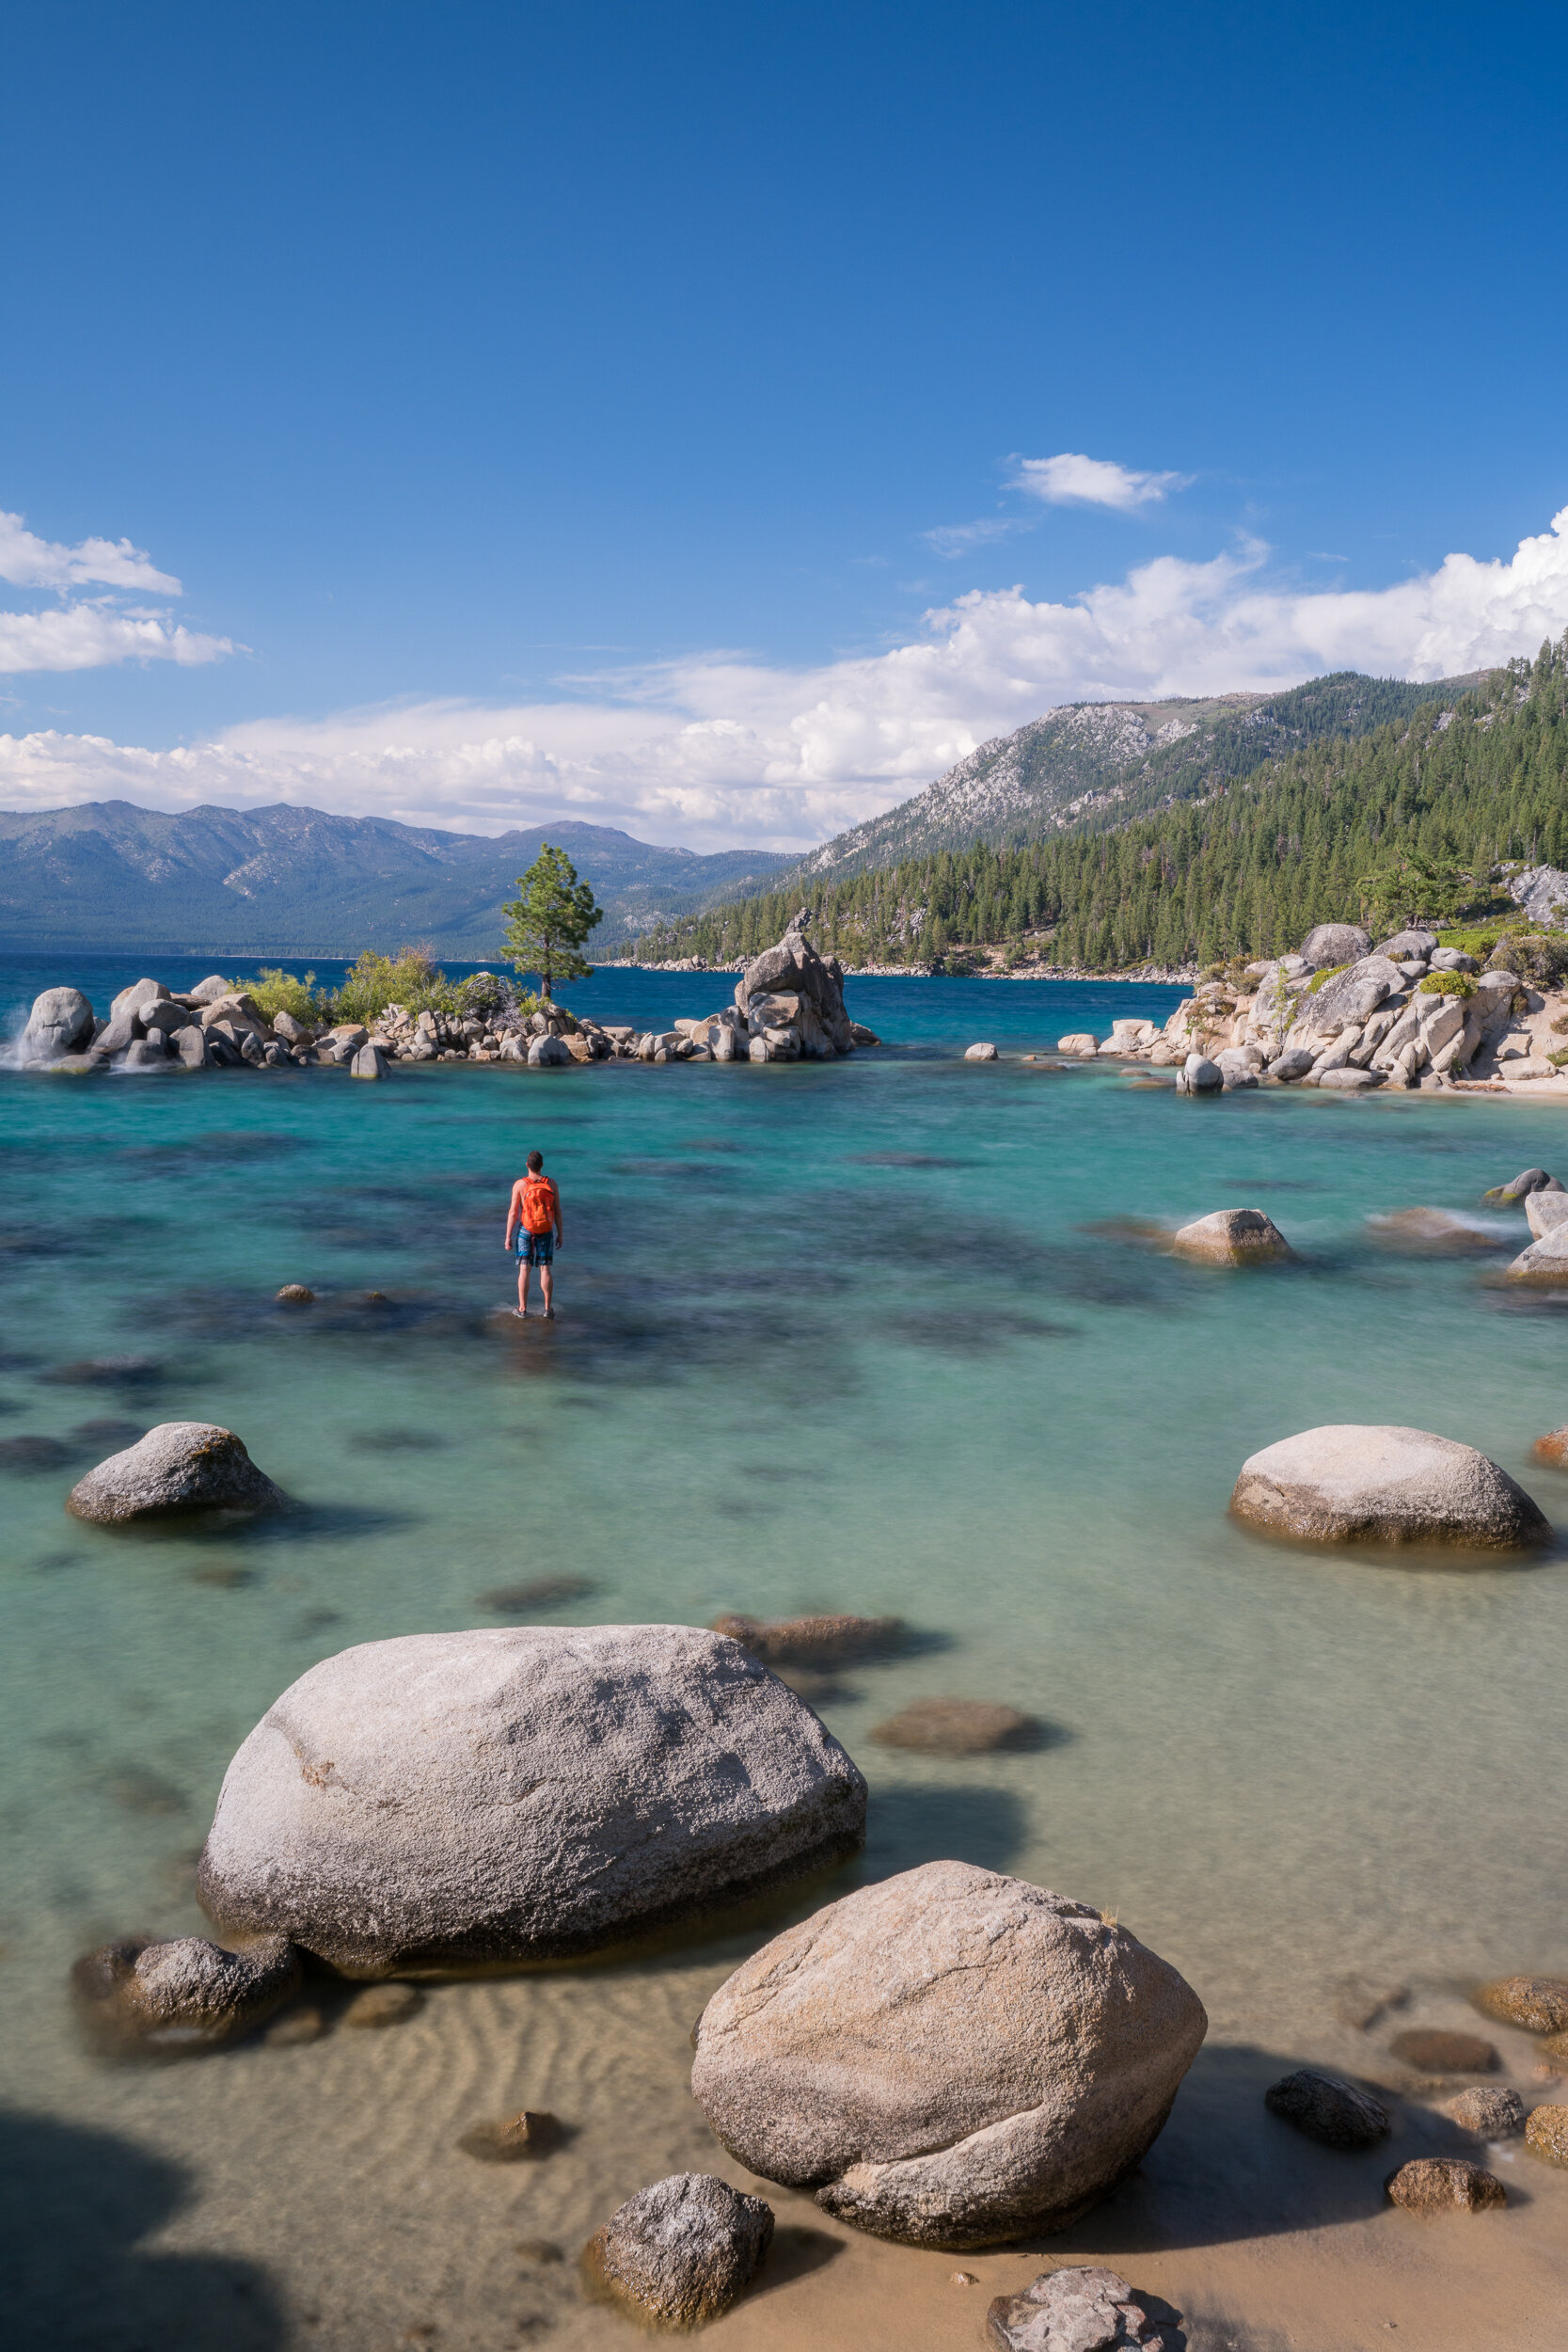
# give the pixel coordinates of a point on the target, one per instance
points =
(87, 633)
(86, 637)
(1072, 480)
(716, 750)
(28, 562)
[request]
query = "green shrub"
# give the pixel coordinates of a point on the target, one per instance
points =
(1560, 1059)
(1319, 978)
(1446, 984)
(1539, 957)
(274, 992)
(409, 978)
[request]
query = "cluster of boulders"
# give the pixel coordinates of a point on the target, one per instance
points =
(1348, 1016)
(788, 1005)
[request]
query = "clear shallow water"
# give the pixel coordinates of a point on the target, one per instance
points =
(835, 1337)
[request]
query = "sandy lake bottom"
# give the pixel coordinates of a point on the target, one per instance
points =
(881, 1337)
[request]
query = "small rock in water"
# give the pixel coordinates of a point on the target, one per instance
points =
(1328, 2109)
(1430, 1233)
(681, 2252)
(509, 2138)
(295, 1295)
(957, 1727)
(1490, 2113)
(34, 1453)
(1532, 1179)
(1546, 2134)
(1234, 1237)
(187, 1994)
(180, 1468)
(1444, 2185)
(544, 1592)
(305, 2021)
(1081, 2309)
(830, 1641)
(1360, 2002)
(383, 2005)
(1536, 2002)
(1355, 1483)
(1436, 2051)
(980, 1053)
(1552, 1448)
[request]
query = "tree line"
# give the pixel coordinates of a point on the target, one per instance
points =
(1309, 838)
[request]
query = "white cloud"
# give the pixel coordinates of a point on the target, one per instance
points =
(28, 562)
(86, 637)
(957, 538)
(1070, 480)
(716, 750)
(89, 632)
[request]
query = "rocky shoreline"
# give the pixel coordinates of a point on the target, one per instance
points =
(787, 1006)
(1350, 1017)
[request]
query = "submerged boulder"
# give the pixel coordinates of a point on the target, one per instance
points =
(681, 2252)
(1233, 1237)
(59, 1023)
(1356, 1483)
(189, 1994)
(180, 1467)
(1325, 2108)
(949, 2058)
(523, 1793)
(824, 1641)
(1082, 2308)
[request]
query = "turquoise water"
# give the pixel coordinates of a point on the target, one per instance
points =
(832, 1337)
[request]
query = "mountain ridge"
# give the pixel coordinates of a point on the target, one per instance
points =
(292, 880)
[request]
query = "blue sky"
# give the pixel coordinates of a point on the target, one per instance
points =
(649, 415)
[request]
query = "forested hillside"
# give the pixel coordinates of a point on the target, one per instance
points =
(1094, 765)
(1248, 868)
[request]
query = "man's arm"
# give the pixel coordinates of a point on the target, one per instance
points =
(514, 1212)
(559, 1229)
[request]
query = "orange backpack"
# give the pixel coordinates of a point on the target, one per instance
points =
(538, 1204)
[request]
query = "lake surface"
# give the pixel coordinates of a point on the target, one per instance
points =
(871, 1336)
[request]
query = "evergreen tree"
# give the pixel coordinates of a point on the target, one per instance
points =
(549, 920)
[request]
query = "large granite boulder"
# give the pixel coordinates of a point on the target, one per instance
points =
(793, 999)
(187, 1994)
(680, 2253)
(1350, 998)
(1355, 1483)
(1407, 947)
(1546, 1260)
(524, 1793)
(949, 2058)
(179, 1469)
(1333, 943)
(1233, 1237)
(1546, 1208)
(59, 1023)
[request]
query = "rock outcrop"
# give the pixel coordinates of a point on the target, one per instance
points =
(1233, 1237)
(528, 1792)
(178, 1470)
(949, 2058)
(792, 998)
(680, 2253)
(59, 1023)
(189, 1994)
(1355, 1483)
(1080, 2309)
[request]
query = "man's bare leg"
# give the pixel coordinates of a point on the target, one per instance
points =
(547, 1284)
(522, 1286)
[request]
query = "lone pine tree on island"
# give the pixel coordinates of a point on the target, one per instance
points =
(549, 920)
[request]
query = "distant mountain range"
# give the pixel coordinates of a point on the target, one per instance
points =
(1090, 766)
(297, 881)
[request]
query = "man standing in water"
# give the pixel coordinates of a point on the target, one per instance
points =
(533, 1223)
